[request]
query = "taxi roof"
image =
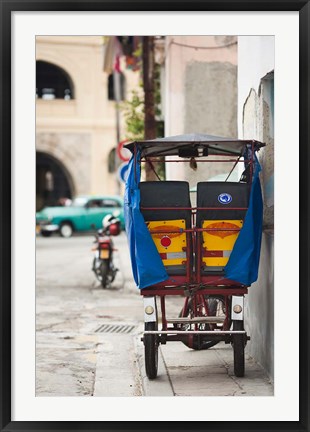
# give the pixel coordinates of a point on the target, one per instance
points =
(171, 146)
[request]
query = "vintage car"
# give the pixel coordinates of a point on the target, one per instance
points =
(85, 213)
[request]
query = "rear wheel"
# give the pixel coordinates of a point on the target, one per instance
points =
(104, 270)
(216, 307)
(238, 347)
(151, 351)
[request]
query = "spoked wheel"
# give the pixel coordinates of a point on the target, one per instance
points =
(238, 347)
(213, 306)
(151, 351)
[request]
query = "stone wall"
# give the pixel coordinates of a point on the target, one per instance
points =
(258, 123)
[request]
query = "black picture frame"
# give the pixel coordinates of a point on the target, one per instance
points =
(9, 6)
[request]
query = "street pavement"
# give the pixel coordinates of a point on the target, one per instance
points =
(88, 339)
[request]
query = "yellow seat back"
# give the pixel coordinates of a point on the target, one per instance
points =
(170, 242)
(218, 241)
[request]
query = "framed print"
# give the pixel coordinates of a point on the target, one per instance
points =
(66, 133)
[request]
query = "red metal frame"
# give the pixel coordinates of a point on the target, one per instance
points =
(194, 284)
(147, 160)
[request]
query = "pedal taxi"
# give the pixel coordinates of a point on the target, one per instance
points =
(206, 252)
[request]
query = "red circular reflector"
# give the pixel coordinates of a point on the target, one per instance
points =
(165, 241)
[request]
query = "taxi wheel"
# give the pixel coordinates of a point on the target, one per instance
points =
(66, 230)
(151, 351)
(198, 342)
(238, 347)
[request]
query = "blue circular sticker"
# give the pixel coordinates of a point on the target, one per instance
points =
(225, 198)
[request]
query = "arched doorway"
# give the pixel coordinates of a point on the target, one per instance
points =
(53, 181)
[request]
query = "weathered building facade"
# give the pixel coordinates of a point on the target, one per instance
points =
(200, 93)
(75, 118)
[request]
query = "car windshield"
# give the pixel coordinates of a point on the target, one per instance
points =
(79, 202)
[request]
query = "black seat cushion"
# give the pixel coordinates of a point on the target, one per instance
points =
(173, 194)
(221, 195)
(165, 194)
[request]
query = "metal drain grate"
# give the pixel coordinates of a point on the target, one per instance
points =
(115, 328)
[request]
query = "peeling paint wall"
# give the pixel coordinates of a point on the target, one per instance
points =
(256, 120)
(201, 94)
(210, 107)
(210, 98)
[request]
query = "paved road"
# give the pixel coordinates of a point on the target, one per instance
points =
(78, 354)
(74, 356)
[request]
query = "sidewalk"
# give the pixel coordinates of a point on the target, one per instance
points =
(186, 372)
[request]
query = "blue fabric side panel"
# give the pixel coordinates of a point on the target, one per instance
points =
(147, 266)
(243, 263)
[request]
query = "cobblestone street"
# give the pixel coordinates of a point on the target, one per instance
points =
(88, 338)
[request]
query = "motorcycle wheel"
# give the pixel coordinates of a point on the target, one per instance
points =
(104, 274)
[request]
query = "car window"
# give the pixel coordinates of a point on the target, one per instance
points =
(110, 203)
(79, 202)
(95, 203)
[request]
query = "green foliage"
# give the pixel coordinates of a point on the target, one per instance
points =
(157, 93)
(133, 110)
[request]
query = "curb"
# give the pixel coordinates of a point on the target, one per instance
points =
(161, 386)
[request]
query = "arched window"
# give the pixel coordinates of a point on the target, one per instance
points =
(111, 93)
(52, 82)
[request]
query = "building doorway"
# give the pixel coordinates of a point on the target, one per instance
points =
(53, 181)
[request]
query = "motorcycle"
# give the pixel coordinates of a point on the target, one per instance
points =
(103, 265)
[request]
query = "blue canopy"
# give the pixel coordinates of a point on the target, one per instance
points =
(243, 263)
(147, 266)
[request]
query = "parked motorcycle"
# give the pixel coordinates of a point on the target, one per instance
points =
(103, 265)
